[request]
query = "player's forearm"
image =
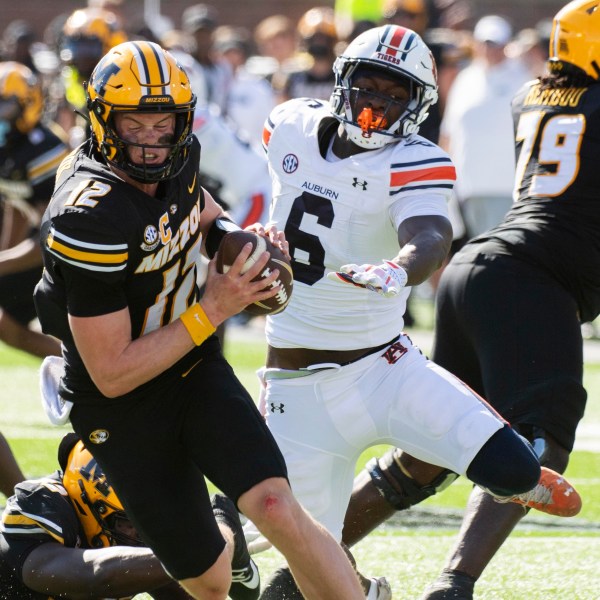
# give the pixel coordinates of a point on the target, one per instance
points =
(421, 258)
(118, 364)
(123, 571)
(425, 243)
(113, 572)
(21, 257)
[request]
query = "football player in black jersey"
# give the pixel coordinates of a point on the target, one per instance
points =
(86, 36)
(10, 471)
(511, 302)
(30, 153)
(152, 393)
(67, 534)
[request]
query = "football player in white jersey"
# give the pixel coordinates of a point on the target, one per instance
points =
(362, 199)
(236, 168)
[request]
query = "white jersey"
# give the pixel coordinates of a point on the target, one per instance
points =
(240, 169)
(339, 212)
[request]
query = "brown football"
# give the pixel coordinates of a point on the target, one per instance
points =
(230, 247)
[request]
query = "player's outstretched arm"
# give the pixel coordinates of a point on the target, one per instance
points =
(424, 244)
(113, 572)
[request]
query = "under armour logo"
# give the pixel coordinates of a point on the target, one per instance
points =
(277, 408)
(394, 352)
(357, 183)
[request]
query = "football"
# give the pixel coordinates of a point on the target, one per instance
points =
(230, 247)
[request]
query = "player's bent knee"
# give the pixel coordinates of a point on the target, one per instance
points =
(506, 465)
(214, 583)
(397, 488)
(271, 506)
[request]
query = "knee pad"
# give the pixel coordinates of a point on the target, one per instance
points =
(400, 490)
(506, 465)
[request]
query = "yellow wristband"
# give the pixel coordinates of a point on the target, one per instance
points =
(197, 323)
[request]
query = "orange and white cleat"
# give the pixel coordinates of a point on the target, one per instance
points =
(553, 495)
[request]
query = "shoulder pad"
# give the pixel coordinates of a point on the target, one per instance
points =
(41, 508)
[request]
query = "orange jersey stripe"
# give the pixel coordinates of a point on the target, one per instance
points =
(266, 137)
(398, 178)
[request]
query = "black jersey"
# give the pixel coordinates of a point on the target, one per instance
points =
(555, 220)
(107, 246)
(28, 164)
(40, 512)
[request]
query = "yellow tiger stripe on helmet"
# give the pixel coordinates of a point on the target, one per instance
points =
(152, 69)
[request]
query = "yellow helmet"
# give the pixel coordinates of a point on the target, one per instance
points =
(87, 35)
(575, 38)
(21, 99)
(320, 19)
(97, 505)
(140, 77)
(407, 13)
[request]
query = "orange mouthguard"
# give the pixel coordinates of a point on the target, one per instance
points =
(368, 122)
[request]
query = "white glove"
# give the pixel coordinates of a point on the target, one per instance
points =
(386, 279)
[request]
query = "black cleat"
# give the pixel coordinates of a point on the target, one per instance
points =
(245, 578)
(450, 585)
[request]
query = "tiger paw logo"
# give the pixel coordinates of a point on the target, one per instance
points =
(99, 436)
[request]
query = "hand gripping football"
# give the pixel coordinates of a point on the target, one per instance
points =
(230, 247)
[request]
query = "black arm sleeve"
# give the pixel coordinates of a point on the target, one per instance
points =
(220, 227)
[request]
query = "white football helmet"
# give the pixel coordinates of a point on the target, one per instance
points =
(397, 51)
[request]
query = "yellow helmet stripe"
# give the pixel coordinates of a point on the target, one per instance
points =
(152, 69)
(554, 40)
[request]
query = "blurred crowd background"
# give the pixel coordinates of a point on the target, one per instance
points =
(245, 57)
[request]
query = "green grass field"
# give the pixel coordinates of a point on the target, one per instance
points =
(546, 558)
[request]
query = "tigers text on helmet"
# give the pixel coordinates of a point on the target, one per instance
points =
(140, 77)
(398, 52)
(21, 100)
(97, 505)
(575, 38)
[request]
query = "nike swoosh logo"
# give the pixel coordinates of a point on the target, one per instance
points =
(191, 187)
(186, 373)
(250, 580)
